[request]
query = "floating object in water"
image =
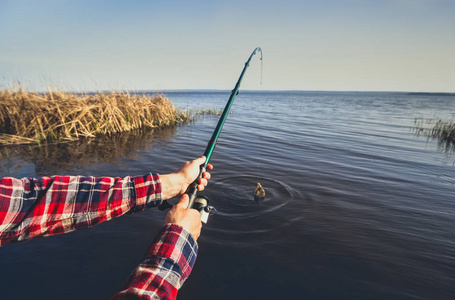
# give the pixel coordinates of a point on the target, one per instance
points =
(259, 192)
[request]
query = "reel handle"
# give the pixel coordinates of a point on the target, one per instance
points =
(201, 204)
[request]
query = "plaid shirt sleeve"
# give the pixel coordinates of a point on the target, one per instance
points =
(52, 205)
(167, 264)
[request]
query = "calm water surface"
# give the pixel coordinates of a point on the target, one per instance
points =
(358, 206)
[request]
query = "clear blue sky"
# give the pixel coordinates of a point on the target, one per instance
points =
(377, 45)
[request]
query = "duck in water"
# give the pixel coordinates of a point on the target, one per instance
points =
(259, 193)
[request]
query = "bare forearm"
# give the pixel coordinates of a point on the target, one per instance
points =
(171, 185)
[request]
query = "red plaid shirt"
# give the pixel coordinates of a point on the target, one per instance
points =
(59, 204)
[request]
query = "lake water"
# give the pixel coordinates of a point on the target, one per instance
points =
(358, 206)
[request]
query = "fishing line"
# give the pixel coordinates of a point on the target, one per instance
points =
(201, 203)
(261, 64)
(261, 84)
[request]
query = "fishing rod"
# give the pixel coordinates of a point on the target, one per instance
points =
(200, 202)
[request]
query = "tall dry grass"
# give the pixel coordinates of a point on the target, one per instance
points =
(59, 115)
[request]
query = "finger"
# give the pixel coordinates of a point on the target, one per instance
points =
(184, 200)
(199, 227)
(200, 187)
(197, 233)
(199, 160)
(206, 175)
(209, 167)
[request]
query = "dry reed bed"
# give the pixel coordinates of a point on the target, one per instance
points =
(60, 115)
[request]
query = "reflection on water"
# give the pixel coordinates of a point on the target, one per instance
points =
(52, 158)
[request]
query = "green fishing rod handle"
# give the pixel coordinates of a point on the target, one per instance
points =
(191, 191)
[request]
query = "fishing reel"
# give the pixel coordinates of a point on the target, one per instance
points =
(201, 204)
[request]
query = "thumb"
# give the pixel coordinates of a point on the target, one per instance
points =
(200, 160)
(184, 201)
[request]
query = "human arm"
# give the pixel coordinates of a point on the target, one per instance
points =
(46, 206)
(169, 260)
(52, 205)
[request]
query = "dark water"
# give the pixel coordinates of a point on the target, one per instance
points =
(357, 206)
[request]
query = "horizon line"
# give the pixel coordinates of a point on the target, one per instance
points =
(53, 88)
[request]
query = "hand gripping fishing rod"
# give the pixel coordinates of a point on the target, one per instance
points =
(201, 203)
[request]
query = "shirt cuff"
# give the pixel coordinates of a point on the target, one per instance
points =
(178, 245)
(148, 190)
(167, 264)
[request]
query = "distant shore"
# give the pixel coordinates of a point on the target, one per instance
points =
(431, 94)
